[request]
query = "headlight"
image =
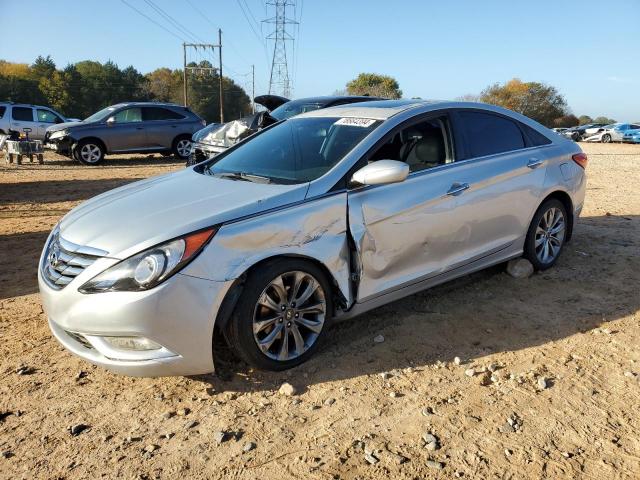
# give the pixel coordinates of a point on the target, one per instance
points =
(147, 269)
(59, 134)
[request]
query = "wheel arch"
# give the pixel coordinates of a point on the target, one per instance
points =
(565, 199)
(179, 137)
(233, 294)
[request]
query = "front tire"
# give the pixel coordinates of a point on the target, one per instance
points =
(281, 315)
(606, 138)
(89, 152)
(546, 235)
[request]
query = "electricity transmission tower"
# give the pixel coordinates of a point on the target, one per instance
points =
(279, 80)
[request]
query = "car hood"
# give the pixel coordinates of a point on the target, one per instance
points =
(62, 126)
(270, 102)
(134, 217)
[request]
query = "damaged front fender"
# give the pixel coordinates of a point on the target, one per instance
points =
(315, 229)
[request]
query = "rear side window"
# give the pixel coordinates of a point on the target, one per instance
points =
(158, 113)
(22, 114)
(536, 139)
(2, 110)
(488, 134)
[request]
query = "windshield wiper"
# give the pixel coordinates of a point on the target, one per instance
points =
(247, 177)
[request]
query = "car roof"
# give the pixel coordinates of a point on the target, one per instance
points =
(384, 109)
(147, 104)
(25, 105)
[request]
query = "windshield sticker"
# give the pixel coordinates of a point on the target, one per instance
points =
(356, 122)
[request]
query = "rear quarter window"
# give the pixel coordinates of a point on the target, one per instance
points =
(536, 139)
(489, 134)
(23, 114)
(2, 110)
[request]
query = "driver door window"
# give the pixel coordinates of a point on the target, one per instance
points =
(128, 115)
(422, 146)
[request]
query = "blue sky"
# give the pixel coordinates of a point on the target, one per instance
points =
(589, 50)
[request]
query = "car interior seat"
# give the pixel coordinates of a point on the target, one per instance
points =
(423, 148)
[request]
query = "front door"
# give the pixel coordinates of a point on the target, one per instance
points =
(46, 118)
(126, 131)
(408, 231)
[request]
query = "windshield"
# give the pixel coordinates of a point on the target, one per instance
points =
(293, 108)
(99, 115)
(294, 151)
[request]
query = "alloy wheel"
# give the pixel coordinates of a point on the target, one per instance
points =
(289, 315)
(90, 153)
(183, 147)
(550, 234)
(606, 138)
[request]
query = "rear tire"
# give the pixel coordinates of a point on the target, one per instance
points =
(288, 333)
(546, 235)
(89, 152)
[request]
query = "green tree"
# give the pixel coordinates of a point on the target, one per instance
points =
(584, 119)
(536, 100)
(374, 85)
(565, 121)
(605, 120)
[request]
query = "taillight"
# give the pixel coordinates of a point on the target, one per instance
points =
(581, 159)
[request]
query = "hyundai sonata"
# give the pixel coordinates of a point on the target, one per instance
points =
(316, 218)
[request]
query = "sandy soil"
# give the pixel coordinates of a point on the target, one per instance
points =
(575, 325)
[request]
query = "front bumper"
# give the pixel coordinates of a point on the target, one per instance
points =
(179, 315)
(203, 151)
(62, 145)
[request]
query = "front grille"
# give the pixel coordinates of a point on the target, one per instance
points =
(64, 261)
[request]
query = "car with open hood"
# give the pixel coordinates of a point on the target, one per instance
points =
(212, 140)
(319, 217)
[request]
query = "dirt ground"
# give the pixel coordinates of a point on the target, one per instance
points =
(363, 407)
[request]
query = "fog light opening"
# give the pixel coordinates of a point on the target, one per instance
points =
(132, 343)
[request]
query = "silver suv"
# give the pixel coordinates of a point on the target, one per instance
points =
(20, 116)
(140, 127)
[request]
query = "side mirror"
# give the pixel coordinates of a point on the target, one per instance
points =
(381, 172)
(111, 121)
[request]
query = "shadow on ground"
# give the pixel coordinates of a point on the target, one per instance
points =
(467, 318)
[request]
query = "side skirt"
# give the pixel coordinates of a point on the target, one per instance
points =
(480, 264)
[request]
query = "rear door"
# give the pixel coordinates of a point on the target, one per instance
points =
(23, 118)
(162, 125)
(126, 132)
(503, 170)
(46, 118)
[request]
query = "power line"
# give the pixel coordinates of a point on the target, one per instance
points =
(176, 24)
(152, 20)
(249, 22)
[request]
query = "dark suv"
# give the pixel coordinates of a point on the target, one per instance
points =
(140, 127)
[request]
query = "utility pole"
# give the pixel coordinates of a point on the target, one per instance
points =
(220, 72)
(253, 87)
(204, 69)
(279, 81)
(184, 72)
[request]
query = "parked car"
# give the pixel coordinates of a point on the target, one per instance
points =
(20, 116)
(577, 134)
(209, 142)
(319, 217)
(617, 131)
(138, 127)
(632, 136)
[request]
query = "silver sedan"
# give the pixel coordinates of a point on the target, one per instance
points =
(317, 218)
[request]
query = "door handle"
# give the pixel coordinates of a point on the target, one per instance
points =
(457, 188)
(139, 128)
(534, 163)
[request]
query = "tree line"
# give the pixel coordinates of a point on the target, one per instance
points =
(536, 100)
(82, 88)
